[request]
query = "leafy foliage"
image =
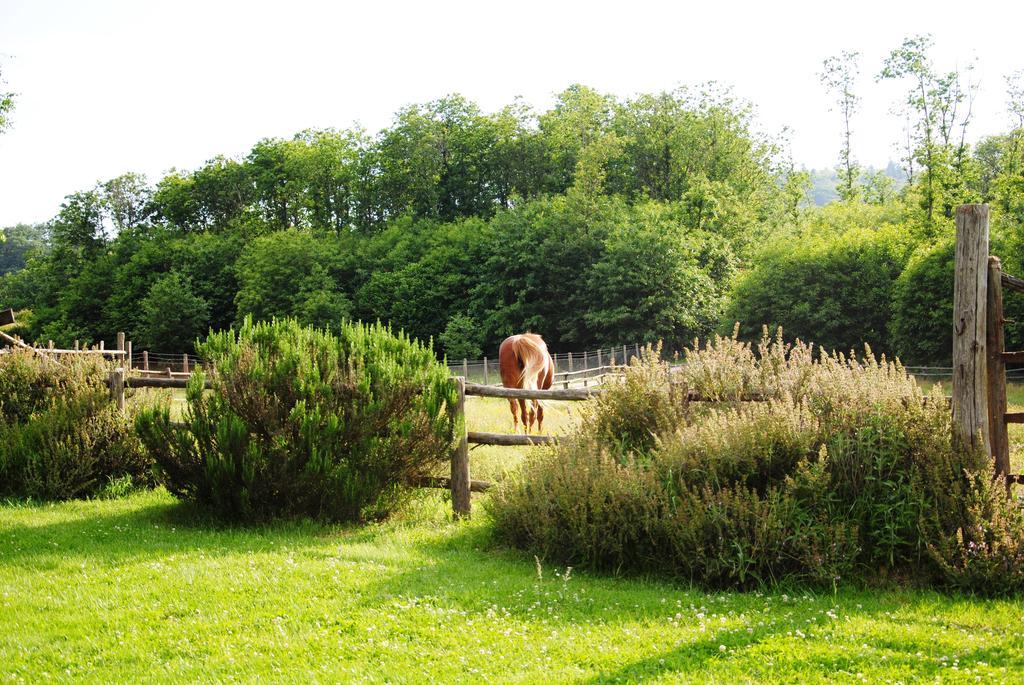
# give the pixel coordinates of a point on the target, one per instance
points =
(829, 290)
(305, 422)
(60, 435)
(844, 471)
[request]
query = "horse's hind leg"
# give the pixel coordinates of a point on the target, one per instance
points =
(515, 416)
(527, 418)
(532, 415)
(540, 417)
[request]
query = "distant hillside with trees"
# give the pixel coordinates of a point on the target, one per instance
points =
(601, 220)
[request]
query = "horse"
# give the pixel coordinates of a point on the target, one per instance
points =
(524, 362)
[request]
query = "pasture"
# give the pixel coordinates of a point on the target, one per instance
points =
(144, 589)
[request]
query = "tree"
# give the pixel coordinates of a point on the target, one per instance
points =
(648, 284)
(128, 200)
(6, 106)
(173, 317)
(21, 241)
(834, 291)
(461, 338)
(938, 110)
(287, 273)
(839, 75)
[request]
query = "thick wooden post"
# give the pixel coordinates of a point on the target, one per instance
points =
(128, 358)
(461, 504)
(145, 360)
(970, 294)
(571, 369)
(487, 374)
(116, 383)
(184, 362)
(76, 345)
(599, 364)
(999, 439)
(120, 340)
(625, 357)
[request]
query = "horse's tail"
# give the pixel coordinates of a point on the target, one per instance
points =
(533, 353)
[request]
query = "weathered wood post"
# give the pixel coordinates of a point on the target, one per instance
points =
(76, 346)
(128, 358)
(571, 369)
(625, 357)
(461, 504)
(184, 362)
(599, 364)
(999, 439)
(970, 294)
(145, 360)
(487, 374)
(102, 343)
(465, 368)
(116, 382)
(120, 340)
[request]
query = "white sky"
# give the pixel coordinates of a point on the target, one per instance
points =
(109, 87)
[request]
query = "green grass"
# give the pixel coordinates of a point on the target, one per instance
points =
(144, 589)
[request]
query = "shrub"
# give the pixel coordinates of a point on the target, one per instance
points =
(60, 435)
(837, 291)
(846, 469)
(922, 305)
(306, 422)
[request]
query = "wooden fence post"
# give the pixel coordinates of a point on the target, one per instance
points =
(465, 368)
(970, 294)
(145, 360)
(461, 504)
(599, 364)
(120, 340)
(184, 362)
(487, 376)
(625, 357)
(128, 358)
(76, 345)
(116, 382)
(999, 440)
(571, 369)
(102, 343)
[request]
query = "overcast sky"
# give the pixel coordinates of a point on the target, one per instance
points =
(109, 87)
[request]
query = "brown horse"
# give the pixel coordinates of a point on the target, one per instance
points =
(524, 362)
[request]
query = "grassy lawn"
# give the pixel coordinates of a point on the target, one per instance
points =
(141, 589)
(144, 590)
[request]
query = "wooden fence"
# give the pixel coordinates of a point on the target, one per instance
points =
(580, 367)
(980, 415)
(459, 482)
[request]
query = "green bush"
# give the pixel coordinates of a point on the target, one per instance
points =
(60, 435)
(835, 291)
(922, 305)
(844, 470)
(306, 422)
